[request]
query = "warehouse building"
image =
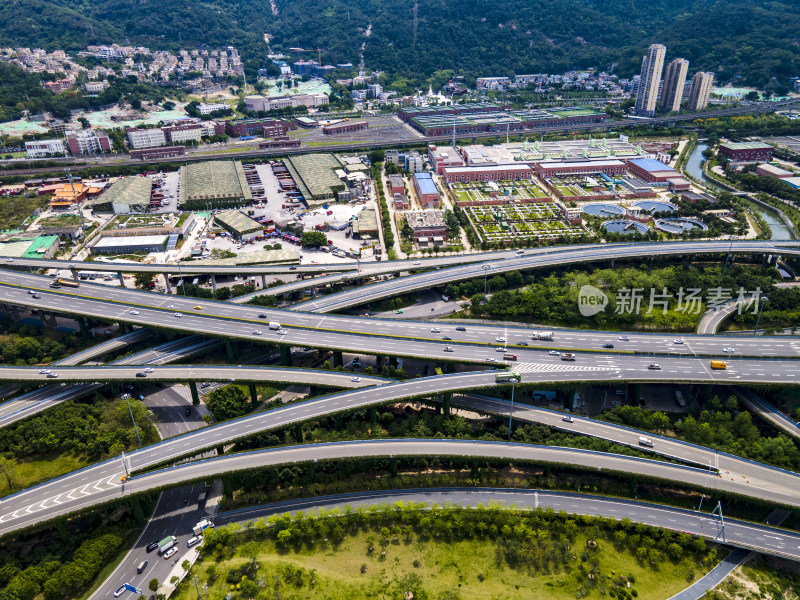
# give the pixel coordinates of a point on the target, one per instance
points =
(428, 226)
(345, 127)
(746, 151)
(651, 170)
(427, 192)
(366, 225)
(213, 184)
(443, 157)
(245, 127)
(125, 196)
(136, 244)
(239, 224)
(29, 245)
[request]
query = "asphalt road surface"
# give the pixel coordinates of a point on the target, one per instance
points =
(102, 481)
(742, 534)
(352, 333)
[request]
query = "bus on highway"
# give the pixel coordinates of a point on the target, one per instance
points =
(507, 377)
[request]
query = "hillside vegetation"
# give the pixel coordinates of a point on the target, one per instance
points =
(754, 42)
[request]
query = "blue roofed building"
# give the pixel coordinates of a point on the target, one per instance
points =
(427, 192)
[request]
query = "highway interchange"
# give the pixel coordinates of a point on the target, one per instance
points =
(686, 362)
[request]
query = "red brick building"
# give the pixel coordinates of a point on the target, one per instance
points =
(651, 170)
(746, 151)
(396, 184)
(444, 157)
(164, 152)
(491, 173)
(584, 167)
(345, 127)
(247, 127)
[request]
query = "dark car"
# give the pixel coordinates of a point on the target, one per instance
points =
(187, 411)
(292, 268)
(141, 374)
(205, 384)
(151, 547)
(447, 338)
(262, 316)
(608, 345)
(461, 328)
(522, 343)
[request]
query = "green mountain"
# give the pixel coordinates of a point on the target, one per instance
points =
(753, 42)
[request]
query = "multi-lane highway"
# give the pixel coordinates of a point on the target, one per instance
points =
(101, 482)
(598, 252)
(36, 401)
(742, 534)
(381, 336)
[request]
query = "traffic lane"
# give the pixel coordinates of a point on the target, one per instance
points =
(100, 303)
(737, 533)
(109, 346)
(749, 474)
(615, 367)
(170, 408)
(171, 517)
(314, 338)
(599, 253)
(67, 493)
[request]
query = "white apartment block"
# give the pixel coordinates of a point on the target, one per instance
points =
(45, 148)
(146, 138)
(207, 109)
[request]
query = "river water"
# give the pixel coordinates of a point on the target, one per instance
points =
(694, 167)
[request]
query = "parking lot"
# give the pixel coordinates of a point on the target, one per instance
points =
(169, 187)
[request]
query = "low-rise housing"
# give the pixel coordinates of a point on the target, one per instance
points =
(45, 148)
(87, 141)
(366, 225)
(489, 173)
(207, 109)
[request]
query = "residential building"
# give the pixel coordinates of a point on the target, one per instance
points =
(146, 138)
(45, 148)
(375, 90)
(674, 82)
(486, 173)
(701, 90)
(87, 141)
(746, 151)
(428, 226)
(177, 134)
(207, 109)
(427, 192)
(95, 87)
(647, 92)
(246, 127)
(366, 225)
(393, 156)
(400, 202)
(442, 157)
(62, 85)
(412, 162)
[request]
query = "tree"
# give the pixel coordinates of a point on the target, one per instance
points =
(185, 565)
(314, 238)
(8, 469)
(228, 402)
(143, 280)
(153, 585)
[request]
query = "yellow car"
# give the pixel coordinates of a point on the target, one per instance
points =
(198, 307)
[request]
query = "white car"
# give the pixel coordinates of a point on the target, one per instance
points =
(170, 552)
(554, 353)
(120, 590)
(416, 262)
(500, 339)
(567, 419)
(149, 370)
(436, 330)
(178, 315)
(624, 338)
(728, 349)
(282, 332)
(355, 379)
(256, 332)
(499, 349)
(678, 341)
(171, 307)
(448, 348)
(9, 260)
(134, 312)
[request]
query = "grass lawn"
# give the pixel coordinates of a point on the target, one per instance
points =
(30, 472)
(15, 209)
(226, 150)
(443, 570)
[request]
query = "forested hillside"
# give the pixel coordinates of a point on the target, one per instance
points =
(758, 40)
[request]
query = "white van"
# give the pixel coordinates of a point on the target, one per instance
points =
(643, 441)
(194, 540)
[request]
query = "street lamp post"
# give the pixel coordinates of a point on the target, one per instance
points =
(485, 272)
(760, 310)
(135, 428)
(511, 415)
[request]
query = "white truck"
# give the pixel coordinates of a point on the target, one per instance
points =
(274, 325)
(167, 543)
(202, 526)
